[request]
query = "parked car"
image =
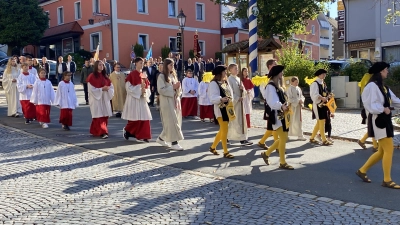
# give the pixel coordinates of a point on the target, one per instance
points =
(124, 69)
(52, 72)
(3, 55)
(3, 64)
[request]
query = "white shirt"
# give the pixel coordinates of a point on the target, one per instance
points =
(34, 72)
(203, 97)
(22, 81)
(68, 66)
(60, 70)
(314, 91)
(274, 103)
(189, 84)
(214, 94)
(66, 96)
(42, 93)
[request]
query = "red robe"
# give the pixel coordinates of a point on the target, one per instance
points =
(28, 108)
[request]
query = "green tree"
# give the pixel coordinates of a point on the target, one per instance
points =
(165, 51)
(22, 22)
(355, 71)
(191, 53)
(283, 17)
(138, 49)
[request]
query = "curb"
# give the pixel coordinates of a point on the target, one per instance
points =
(219, 178)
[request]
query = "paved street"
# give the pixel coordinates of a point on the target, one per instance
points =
(59, 176)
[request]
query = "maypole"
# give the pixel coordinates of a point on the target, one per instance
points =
(253, 37)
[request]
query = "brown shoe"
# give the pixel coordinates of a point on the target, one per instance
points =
(265, 158)
(263, 146)
(363, 176)
(390, 184)
(361, 144)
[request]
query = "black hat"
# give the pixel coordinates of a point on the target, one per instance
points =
(319, 72)
(378, 67)
(275, 71)
(218, 69)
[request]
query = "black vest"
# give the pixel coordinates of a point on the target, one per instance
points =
(223, 110)
(323, 112)
(272, 119)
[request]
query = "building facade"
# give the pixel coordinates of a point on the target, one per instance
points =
(337, 45)
(366, 33)
(325, 37)
(116, 25)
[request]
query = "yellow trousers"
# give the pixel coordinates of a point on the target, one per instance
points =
(222, 135)
(268, 134)
(280, 144)
(319, 126)
(365, 137)
(384, 153)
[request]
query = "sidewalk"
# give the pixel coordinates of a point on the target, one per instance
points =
(346, 125)
(48, 182)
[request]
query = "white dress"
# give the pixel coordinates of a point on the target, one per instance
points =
(43, 93)
(66, 96)
(11, 91)
(136, 107)
(22, 81)
(189, 84)
(237, 130)
(99, 101)
(248, 101)
(295, 94)
(202, 91)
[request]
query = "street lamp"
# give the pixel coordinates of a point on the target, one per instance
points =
(182, 20)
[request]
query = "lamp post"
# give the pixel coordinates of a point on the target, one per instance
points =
(182, 21)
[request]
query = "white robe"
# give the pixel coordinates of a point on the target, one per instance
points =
(202, 91)
(66, 96)
(189, 84)
(248, 101)
(314, 94)
(11, 92)
(295, 94)
(237, 129)
(136, 106)
(373, 101)
(214, 94)
(43, 93)
(99, 101)
(22, 81)
(170, 109)
(34, 72)
(274, 103)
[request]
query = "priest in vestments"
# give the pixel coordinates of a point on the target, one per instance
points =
(11, 74)
(118, 80)
(296, 101)
(101, 91)
(190, 87)
(136, 109)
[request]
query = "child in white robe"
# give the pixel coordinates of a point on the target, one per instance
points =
(66, 99)
(25, 83)
(206, 107)
(248, 95)
(43, 98)
(190, 86)
(296, 101)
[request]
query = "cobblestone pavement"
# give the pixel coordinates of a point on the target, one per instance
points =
(346, 124)
(47, 182)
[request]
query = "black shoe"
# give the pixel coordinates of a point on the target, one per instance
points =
(125, 134)
(118, 115)
(246, 142)
(65, 127)
(87, 103)
(228, 142)
(27, 121)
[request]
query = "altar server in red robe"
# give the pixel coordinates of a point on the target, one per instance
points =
(190, 86)
(25, 83)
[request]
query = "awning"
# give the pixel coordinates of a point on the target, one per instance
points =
(265, 45)
(62, 31)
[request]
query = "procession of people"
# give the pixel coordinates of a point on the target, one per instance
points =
(224, 97)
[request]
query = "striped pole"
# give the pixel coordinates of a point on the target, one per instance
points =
(253, 37)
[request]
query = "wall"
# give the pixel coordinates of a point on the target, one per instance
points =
(360, 20)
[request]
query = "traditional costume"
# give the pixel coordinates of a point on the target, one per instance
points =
(136, 109)
(170, 111)
(43, 98)
(67, 100)
(364, 114)
(118, 101)
(29, 110)
(237, 127)
(189, 101)
(99, 102)
(248, 99)
(294, 95)
(319, 89)
(11, 91)
(377, 98)
(206, 107)
(275, 100)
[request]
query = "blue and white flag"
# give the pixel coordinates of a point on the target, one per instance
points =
(150, 52)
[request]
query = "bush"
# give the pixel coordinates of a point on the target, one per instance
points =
(165, 51)
(355, 71)
(191, 54)
(218, 55)
(393, 78)
(138, 49)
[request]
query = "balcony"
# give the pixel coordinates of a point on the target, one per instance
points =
(325, 42)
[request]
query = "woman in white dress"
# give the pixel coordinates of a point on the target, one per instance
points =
(296, 101)
(248, 95)
(10, 77)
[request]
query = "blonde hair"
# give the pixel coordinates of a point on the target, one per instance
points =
(8, 67)
(294, 79)
(232, 65)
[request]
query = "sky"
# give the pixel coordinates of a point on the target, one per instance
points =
(333, 9)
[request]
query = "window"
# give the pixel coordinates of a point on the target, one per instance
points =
(78, 12)
(312, 29)
(142, 6)
(228, 41)
(143, 40)
(306, 51)
(48, 15)
(60, 15)
(202, 47)
(95, 39)
(96, 6)
(173, 44)
(200, 11)
(172, 8)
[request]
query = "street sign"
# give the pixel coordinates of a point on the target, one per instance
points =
(100, 14)
(178, 42)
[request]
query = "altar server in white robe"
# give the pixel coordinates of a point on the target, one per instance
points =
(296, 101)
(43, 97)
(101, 91)
(10, 77)
(169, 88)
(237, 127)
(66, 99)
(248, 95)
(136, 109)
(206, 107)
(32, 69)
(379, 100)
(25, 83)
(190, 87)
